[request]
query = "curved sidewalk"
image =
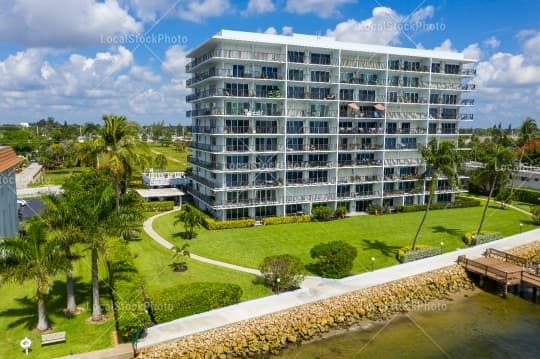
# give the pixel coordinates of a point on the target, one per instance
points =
(323, 289)
(147, 226)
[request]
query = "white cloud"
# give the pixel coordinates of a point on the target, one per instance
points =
(384, 27)
(323, 8)
(71, 23)
(473, 52)
(271, 30)
(198, 10)
(287, 30)
(492, 42)
(259, 7)
(446, 45)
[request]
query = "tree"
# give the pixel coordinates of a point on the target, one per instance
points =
(527, 135)
(59, 217)
(124, 152)
(92, 200)
(178, 253)
(334, 259)
(498, 163)
(321, 213)
(33, 257)
(161, 161)
(191, 219)
(440, 159)
(282, 272)
(340, 212)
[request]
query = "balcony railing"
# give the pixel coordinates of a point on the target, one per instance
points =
(234, 74)
(355, 195)
(311, 147)
(359, 147)
(358, 179)
(309, 164)
(362, 63)
(406, 115)
(467, 102)
(236, 54)
(359, 163)
(291, 112)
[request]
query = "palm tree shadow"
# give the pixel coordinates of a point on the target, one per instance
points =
(185, 235)
(383, 247)
(25, 313)
(443, 229)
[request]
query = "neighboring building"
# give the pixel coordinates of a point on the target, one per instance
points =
(283, 123)
(9, 221)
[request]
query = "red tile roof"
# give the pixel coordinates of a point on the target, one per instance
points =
(8, 158)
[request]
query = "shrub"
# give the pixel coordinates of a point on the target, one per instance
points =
(406, 254)
(286, 219)
(287, 268)
(158, 206)
(129, 305)
(374, 208)
(527, 196)
(335, 259)
(340, 212)
(473, 239)
(321, 213)
(535, 211)
(188, 299)
(464, 202)
(211, 224)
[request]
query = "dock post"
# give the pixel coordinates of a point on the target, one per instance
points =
(505, 290)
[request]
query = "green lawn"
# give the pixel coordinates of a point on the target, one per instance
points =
(153, 262)
(18, 317)
(172, 154)
(373, 236)
(56, 177)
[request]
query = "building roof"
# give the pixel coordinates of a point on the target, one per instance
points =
(159, 192)
(330, 43)
(8, 158)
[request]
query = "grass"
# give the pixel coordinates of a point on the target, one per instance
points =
(374, 236)
(176, 161)
(153, 261)
(18, 318)
(56, 177)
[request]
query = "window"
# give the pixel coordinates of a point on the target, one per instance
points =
(236, 126)
(391, 127)
(411, 66)
(295, 92)
(390, 143)
(392, 96)
(366, 95)
(407, 171)
(266, 91)
(237, 144)
(393, 64)
(449, 113)
(362, 206)
(318, 127)
(295, 143)
(237, 196)
(296, 75)
(434, 98)
(320, 76)
(265, 211)
(269, 72)
(265, 195)
(295, 56)
(238, 70)
(436, 67)
(318, 176)
(318, 158)
(406, 186)
(294, 177)
(265, 178)
(448, 128)
(320, 59)
(449, 99)
(363, 157)
(237, 213)
(343, 190)
(432, 128)
(267, 109)
(236, 180)
(294, 209)
(295, 160)
(319, 110)
(346, 94)
(411, 97)
(388, 187)
(320, 144)
(451, 69)
(408, 142)
(410, 81)
(319, 93)
(236, 90)
(389, 171)
(364, 189)
(266, 144)
(344, 159)
(236, 108)
(295, 127)
(266, 161)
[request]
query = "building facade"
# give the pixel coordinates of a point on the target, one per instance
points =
(9, 220)
(284, 123)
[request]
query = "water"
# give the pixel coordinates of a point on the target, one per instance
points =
(483, 325)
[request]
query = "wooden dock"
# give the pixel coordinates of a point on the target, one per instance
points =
(504, 268)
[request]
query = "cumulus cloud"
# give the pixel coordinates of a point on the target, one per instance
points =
(271, 30)
(384, 27)
(72, 23)
(259, 7)
(492, 42)
(189, 10)
(322, 8)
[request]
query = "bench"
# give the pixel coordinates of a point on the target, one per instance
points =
(52, 338)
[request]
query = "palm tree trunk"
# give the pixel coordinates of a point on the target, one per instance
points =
(96, 307)
(117, 192)
(431, 194)
(71, 307)
(487, 204)
(42, 324)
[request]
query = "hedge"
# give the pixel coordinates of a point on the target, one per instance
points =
(211, 224)
(473, 239)
(129, 307)
(188, 299)
(526, 195)
(158, 206)
(285, 220)
(406, 254)
(460, 202)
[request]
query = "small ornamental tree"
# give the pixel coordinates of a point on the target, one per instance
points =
(288, 269)
(340, 212)
(535, 211)
(321, 213)
(334, 259)
(191, 218)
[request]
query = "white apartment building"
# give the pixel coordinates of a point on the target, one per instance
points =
(284, 123)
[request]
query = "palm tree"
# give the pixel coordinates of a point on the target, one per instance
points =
(161, 161)
(441, 159)
(61, 221)
(33, 257)
(191, 218)
(527, 135)
(498, 162)
(123, 150)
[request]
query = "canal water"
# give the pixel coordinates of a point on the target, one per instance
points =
(483, 325)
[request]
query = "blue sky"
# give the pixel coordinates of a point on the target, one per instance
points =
(79, 59)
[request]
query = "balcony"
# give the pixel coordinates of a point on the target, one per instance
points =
(406, 115)
(204, 181)
(311, 198)
(403, 162)
(235, 54)
(361, 130)
(311, 147)
(359, 147)
(357, 195)
(362, 63)
(292, 112)
(359, 163)
(467, 102)
(219, 111)
(311, 181)
(309, 164)
(229, 73)
(358, 179)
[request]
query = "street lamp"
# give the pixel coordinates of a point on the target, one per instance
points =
(278, 280)
(520, 227)
(442, 244)
(372, 263)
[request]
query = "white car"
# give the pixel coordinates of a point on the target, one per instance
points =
(21, 202)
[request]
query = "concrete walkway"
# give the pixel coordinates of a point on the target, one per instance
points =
(319, 289)
(147, 226)
(28, 175)
(122, 351)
